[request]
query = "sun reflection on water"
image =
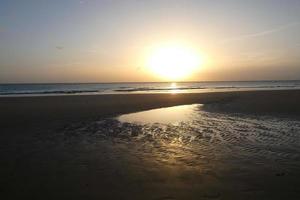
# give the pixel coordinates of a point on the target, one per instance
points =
(201, 148)
(174, 88)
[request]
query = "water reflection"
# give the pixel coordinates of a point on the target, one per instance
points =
(205, 150)
(174, 88)
(168, 115)
(173, 85)
(189, 136)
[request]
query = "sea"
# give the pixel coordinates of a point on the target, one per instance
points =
(141, 87)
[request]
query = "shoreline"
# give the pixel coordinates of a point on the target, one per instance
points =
(151, 91)
(46, 110)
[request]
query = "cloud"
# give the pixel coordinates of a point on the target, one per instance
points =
(91, 51)
(59, 47)
(84, 2)
(262, 33)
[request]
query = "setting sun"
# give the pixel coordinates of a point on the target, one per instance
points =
(174, 62)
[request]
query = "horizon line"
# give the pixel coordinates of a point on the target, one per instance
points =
(133, 82)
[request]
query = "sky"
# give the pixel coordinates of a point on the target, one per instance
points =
(111, 41)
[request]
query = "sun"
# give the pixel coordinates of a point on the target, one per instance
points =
(174, 62)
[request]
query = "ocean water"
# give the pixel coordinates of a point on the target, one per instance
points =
(165, 87)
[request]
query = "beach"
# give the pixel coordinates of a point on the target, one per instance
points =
(64, 109)
(150, 100)
(71, 146)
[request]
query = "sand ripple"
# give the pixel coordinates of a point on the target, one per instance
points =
(207, 137)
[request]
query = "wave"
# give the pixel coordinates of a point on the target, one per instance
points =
(155, 89)
(49, 92)
(127, 88)
(140, 89)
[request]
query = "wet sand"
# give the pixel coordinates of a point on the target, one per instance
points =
(17, 111)
(68, 147)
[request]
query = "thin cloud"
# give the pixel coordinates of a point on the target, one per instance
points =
(91, 51)
(84, 2)
(59, 47)
(262, 33)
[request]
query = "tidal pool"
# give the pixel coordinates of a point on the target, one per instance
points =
(173, 115)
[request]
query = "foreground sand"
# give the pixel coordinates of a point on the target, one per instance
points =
(53, 148)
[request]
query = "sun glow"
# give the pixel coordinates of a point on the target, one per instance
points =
(174, 62)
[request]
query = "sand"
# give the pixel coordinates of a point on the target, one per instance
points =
(53, 148)
(17, 111)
